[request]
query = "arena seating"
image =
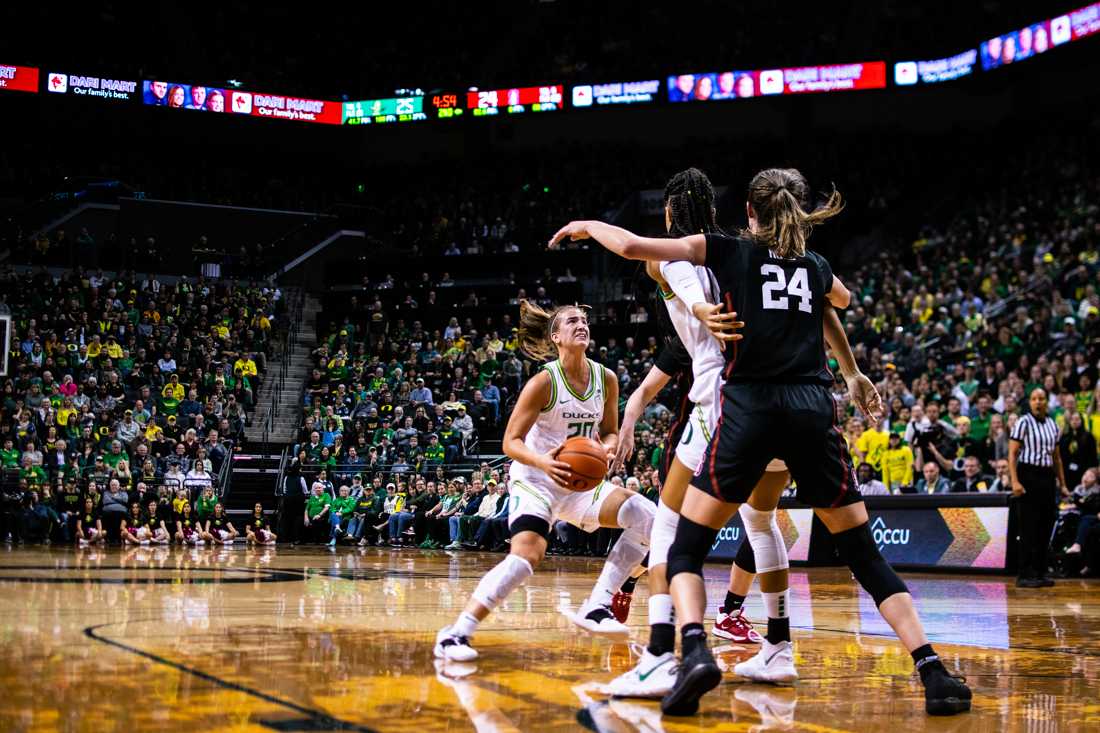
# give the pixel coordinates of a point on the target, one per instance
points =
(142, 379)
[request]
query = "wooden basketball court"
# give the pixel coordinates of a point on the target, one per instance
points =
(304, 640)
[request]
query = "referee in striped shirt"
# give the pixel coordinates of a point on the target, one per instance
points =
(1036, 472)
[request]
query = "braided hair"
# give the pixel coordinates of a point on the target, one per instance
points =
(690, 199)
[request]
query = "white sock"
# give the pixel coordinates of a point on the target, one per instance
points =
(660, 609)
(465, 625)
(777, 604)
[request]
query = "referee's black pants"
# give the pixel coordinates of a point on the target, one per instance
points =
(1036, 512)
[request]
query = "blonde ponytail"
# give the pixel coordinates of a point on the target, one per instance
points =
(535, 326)
(534, 331)
(779, 197)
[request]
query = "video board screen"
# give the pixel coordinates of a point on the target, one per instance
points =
(444, 105)
(713, 86)
(195, 97)
(381, 111)
(80, 85)
(744, 84)
(907, 73)
(619, 92)
(280, 107)
(514, 101)
(834, 78)
(1076, 25)
(18, 78)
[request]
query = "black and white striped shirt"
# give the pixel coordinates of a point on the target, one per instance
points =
(1039, 440)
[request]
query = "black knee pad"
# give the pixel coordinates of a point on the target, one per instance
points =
(690, 548)
(746, 558)
(857, 548)
(530, 523)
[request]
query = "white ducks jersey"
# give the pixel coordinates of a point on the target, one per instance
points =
(565, 415)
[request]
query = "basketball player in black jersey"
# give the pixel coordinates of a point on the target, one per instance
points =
(776, 403)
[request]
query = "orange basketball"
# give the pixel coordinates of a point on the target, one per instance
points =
(587, 459)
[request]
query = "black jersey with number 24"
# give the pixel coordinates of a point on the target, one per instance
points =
(782, 302)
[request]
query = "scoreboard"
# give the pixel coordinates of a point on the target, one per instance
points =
(514, 101)
(445, 105)
(381, 111)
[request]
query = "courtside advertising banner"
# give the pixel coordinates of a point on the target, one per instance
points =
(945, 537)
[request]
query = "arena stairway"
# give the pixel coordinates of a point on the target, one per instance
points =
(280, 397)
(253, 478)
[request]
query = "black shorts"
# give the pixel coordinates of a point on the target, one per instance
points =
(795, 423)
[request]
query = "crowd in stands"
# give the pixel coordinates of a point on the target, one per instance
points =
(122, 391)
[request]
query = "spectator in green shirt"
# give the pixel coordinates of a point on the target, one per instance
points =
(33, 474)
(979, 420)
(434, 454)
(341, 510)
(317, 509)
(115, 455)
(450, 439)
(204, 507)
(9, 456)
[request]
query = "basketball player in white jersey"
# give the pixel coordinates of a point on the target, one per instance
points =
(689, 207)
(570, 396)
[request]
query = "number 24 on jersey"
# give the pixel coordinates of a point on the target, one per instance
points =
(776, 291)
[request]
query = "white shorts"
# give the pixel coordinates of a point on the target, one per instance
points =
(696, 437)
(223, 534)
(697, 434)
(542, 498)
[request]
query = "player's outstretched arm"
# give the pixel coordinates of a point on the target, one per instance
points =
(534, 397)
(653, 383)
(626, 244)
(862, 391)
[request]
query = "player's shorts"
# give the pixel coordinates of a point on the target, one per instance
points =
(222, 534)
(697, 436)
(795, 423)
(263, 535)
(542, 498)
(190, 535)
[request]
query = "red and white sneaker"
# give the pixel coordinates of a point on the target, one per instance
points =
(620, 606)
(736, 627)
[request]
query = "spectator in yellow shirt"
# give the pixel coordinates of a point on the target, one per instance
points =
(897, 464)
(112, 348)
(871, 444)
(853, 429)
(95, 348)
(66, 413)
(173, 390)
(246, 365)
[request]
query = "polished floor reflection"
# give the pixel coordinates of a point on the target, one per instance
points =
(179, 639)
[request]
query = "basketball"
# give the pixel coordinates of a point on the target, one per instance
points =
(587, 459)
